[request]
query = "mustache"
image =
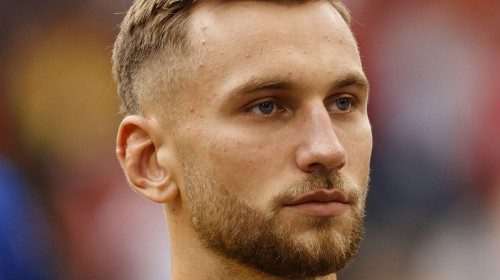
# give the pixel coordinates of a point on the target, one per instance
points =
(318, 181)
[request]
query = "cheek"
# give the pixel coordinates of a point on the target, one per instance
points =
(358, 145)
(243, 162)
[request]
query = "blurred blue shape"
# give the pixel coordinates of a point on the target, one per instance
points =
(24, 239)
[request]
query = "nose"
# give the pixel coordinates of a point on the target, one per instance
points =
(320, 148)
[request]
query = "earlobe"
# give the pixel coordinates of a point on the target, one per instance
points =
(137, 151)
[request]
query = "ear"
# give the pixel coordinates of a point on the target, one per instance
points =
(138, 151)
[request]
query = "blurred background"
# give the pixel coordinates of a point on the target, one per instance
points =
(66, 211)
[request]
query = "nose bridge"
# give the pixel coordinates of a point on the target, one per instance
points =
(321, 126)
(320, 146)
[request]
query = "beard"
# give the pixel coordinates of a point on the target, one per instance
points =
(239, 230)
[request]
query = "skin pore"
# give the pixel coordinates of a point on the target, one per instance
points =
(278, 109)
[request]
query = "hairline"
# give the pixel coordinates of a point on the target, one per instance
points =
(165, 56)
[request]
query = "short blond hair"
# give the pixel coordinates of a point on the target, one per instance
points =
(151, 26)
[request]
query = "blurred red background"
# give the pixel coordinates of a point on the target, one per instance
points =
(433, 210)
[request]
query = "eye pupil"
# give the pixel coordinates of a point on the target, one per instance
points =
(344, 104)
(266, 107)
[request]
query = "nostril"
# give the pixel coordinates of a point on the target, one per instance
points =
(321, 160)
(317, 167)
(341, 165)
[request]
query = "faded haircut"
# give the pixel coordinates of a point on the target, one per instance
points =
(157, 30)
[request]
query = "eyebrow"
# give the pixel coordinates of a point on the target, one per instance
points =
(256, 84)
(352, 79)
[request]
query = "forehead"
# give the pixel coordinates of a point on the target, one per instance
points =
(240, 39)
(237, 23)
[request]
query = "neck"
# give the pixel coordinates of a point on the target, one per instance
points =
(191, 260)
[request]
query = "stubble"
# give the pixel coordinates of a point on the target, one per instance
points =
(237, 229)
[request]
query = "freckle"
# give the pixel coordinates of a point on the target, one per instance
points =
(204, 28)
(289, 73)
(259, 146)
(304, 51)
(214, 95)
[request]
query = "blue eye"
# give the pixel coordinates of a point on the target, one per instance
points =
(264, 108)
(341, 104)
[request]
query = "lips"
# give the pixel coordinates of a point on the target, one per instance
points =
(333, 195)
(320, 203)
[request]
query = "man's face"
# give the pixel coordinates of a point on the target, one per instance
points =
(274, 136)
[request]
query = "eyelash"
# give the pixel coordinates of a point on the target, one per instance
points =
(280, 109)
(276, 107)
(351, 99)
